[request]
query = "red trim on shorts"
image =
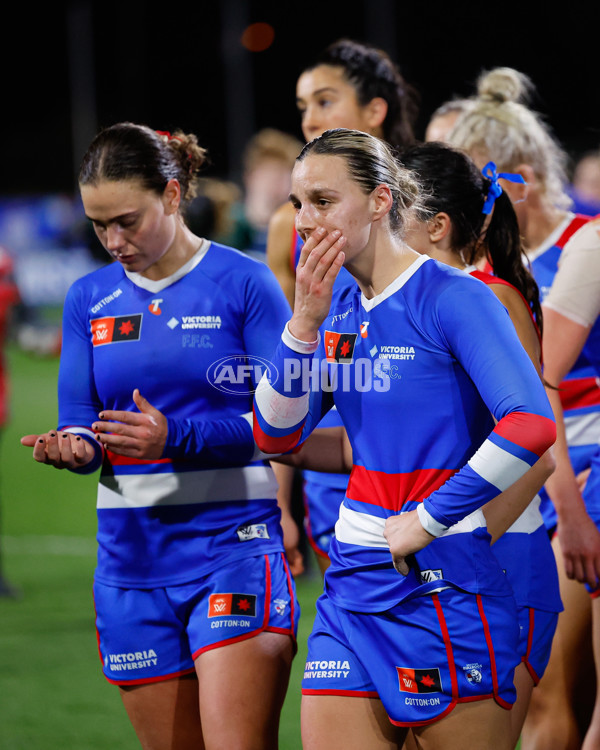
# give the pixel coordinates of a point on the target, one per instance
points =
(595, 593)
(150, 680)
(286, 631)
(245, 637)
(488, 637)
(314, 546)
(309, 535)
(447, 644)
(290, 591)
(227, 642)
(475, 698)
(267, 601)
(525, 658)
(345, 693)
(272, 629)
(450, 658)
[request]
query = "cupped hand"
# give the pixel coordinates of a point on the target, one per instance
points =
(63, 450)
(140, 434)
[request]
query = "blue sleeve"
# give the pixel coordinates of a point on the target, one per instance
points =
(480, 334)
(211, 442)
(78, 402)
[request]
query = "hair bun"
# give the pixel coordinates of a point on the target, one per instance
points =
(504, 85)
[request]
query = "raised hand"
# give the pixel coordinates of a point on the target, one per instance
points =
(320, 262)
(140, 434)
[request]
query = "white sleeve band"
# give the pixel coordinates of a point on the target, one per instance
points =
(428, 522)
(84, 432)
(302, 347)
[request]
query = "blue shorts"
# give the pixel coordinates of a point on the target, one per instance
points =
(420, 658)
(536, 631)
(321, 512)
(591, 497)
(148, 635)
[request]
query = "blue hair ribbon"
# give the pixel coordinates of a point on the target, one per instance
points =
(489, 171)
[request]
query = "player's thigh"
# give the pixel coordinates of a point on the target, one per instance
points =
(573, 632)
(478, 726)
(524, 685)
(165, 714)
(331, 722)
(242, 689)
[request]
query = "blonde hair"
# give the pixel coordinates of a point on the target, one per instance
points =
(499, 123)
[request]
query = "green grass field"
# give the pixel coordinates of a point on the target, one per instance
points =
(52, 692)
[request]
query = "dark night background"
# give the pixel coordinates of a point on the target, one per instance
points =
(70, 68)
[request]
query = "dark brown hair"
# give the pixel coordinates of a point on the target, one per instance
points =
(372, 73)
(127, 151)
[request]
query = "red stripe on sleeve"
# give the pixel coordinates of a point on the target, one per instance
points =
(530, 431)
(270, 444)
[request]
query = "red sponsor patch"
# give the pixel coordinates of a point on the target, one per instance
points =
(115, 330)
(339, 347)
(419, 680)
(232, 604)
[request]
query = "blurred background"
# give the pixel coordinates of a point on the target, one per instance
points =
(225, 70)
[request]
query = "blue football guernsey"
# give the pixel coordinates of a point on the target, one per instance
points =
(416, 374)
(211, 500)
